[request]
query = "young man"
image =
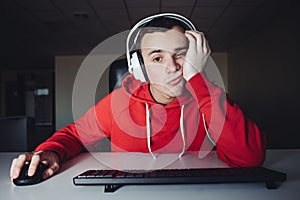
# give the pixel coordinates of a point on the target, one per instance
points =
(173, 109)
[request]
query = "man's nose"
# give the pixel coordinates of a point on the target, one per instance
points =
(172, 65)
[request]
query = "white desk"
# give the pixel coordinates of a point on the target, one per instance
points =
(61, 186)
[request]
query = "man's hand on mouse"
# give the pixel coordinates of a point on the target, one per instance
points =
(197, 54)
(47, 157)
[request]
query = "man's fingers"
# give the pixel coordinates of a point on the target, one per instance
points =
(207, 46)
(192, 40)
(50, 171)
(17, 165)
(200, 40)
(35, 160)
(13, 164)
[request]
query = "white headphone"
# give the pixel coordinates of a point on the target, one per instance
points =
(135, 61)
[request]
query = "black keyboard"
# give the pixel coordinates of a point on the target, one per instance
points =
(114, 179)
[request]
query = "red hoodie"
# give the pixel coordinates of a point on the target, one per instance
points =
(134, 122)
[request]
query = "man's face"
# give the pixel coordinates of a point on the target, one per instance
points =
(164, 55)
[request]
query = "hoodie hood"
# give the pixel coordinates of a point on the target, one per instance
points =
(139, 91)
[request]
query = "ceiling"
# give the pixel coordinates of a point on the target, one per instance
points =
(34, 31)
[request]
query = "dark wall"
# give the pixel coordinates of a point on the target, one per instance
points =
(263, 77)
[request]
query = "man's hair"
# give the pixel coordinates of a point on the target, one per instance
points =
(161, 24)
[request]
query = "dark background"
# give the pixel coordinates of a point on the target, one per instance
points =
(260, 38)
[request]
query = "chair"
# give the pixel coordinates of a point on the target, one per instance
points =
(118, 71)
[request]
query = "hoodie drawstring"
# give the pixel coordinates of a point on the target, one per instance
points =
(148, 129)
(207, 133)
(182, 131)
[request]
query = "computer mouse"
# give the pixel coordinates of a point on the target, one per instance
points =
(24, 179)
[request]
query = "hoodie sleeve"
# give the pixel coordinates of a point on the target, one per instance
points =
(81, 135)
(238, 140)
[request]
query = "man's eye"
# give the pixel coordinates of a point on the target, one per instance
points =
(182, 54)
(157, 59)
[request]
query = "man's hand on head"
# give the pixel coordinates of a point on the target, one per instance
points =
(196, 55)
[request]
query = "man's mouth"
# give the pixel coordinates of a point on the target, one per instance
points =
(175, 81)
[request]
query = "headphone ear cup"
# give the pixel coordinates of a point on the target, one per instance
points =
(142, 65)
(137, 67)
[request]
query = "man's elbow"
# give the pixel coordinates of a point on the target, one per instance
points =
(251, 159)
